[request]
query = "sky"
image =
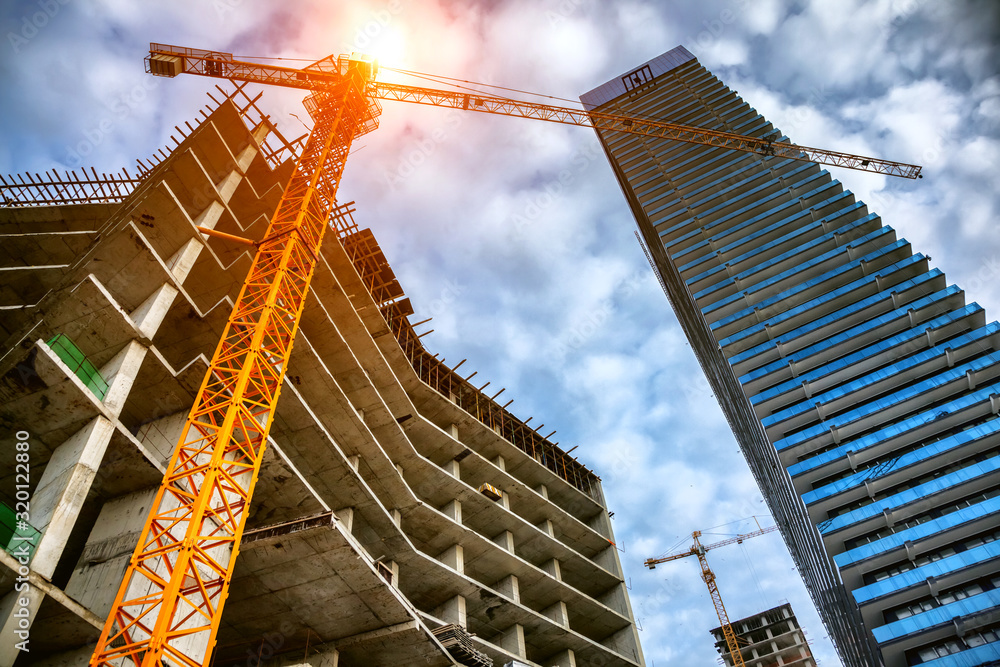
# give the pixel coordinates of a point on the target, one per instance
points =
(513, 234)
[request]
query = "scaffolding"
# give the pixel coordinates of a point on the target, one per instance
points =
(379, 280)
(90, 187)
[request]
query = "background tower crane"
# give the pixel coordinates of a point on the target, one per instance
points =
(698, 549)
(169, 605)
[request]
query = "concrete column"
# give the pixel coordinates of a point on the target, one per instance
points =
(508, 586)
(547, 527)
(55, 507)
(453, 468)
(346, 518)
(565, 659)
(512, 640)
(552, 567)
(392, 568)
(623, 641)
(120, 373)
(227, 186)
(354, 462)
(110, 545)
(63, 488)
(615, 598)
(18, 609)
(601, 523)
(329, 657)
(452, 430)
(397, 517)
(182, 261)
(608, 559)
(453, 510)
(542, 490)
(500, 463)
(453, 611)
(454, 557)
(505, 500)
(148, 316)
(505, 540)
(558, 613)
(209, 217)
(160, 436)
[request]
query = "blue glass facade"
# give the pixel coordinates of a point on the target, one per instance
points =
(863, 389)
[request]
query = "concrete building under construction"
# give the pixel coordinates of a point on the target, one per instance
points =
(401, 515)
(772, 638)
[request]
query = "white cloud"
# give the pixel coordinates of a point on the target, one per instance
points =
(880, 78)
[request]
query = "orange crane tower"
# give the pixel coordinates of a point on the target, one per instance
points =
(698, 549)
(168, 608)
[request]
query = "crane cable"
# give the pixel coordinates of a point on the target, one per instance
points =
(437, 78)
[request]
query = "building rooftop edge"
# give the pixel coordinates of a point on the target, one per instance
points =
(616, 87)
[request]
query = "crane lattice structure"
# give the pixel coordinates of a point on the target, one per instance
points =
(698, 549)
(169, 605)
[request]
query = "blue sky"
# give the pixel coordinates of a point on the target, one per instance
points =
(534, 274)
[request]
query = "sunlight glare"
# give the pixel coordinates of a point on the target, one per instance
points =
(387, 45)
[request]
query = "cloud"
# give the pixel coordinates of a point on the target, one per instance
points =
(534, 275)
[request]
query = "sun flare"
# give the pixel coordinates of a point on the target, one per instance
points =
(384, 43)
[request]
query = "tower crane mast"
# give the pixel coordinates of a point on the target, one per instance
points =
(169, 606)
(708, 576)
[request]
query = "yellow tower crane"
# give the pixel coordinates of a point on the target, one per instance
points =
(698, 549)
(169, 605)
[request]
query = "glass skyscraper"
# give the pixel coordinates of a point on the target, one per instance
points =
(863, 389)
